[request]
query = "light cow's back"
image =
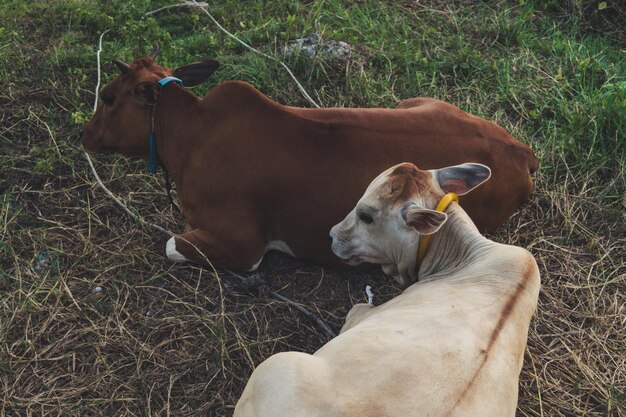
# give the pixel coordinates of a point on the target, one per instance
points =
(450, 347)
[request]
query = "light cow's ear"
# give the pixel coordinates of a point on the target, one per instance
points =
(147, 92)
(196, 73)
(461, 179)
(425, 221)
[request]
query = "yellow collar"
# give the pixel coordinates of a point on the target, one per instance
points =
(442, 206)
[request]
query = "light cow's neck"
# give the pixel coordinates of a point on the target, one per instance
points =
(457, 245)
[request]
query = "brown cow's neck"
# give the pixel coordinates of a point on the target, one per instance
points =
(456, 245)
(175, 120)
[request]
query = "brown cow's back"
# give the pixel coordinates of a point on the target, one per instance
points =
(301, 170)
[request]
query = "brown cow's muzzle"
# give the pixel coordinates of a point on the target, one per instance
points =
(89, 143)
(81, 138)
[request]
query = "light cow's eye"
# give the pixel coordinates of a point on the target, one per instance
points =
(366, 218)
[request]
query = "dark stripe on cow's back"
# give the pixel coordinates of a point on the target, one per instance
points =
(512, 301)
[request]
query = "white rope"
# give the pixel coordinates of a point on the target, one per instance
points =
(93, 169)
(203, 6)
(370, 295)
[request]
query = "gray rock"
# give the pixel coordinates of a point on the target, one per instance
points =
(314, 44)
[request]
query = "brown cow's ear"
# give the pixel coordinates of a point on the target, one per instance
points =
(147, 92)
(461, 179)
(423, 220)
(196, 73)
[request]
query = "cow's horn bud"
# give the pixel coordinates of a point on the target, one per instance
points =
(154, 52)
(124, 68)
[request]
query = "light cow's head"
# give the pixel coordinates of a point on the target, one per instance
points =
(123, 119)
(397, 208)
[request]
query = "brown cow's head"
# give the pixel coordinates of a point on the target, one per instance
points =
(397, 208)
(122, 121)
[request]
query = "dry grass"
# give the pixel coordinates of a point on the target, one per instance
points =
(576, 356)
(163, 339)
(158, 338)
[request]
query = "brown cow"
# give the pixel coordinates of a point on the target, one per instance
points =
(254, 175)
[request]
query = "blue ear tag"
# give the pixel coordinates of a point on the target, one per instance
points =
(165, 81)
(154, 157)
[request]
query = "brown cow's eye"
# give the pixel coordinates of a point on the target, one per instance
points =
(366, 218)
(107, 99)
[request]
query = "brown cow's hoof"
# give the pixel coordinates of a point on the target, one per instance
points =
(171, 252)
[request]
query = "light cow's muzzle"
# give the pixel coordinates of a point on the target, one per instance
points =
(343, 246)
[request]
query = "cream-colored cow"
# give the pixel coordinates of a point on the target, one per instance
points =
(451, 344)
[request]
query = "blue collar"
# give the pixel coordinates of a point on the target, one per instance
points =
(154, 157)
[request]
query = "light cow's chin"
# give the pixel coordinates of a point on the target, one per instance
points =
(353, 261)
(365, 259)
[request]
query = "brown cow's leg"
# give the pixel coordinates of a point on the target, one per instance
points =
(200, 246)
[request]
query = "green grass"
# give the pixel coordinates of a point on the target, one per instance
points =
(551, 72)
(558, 88)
